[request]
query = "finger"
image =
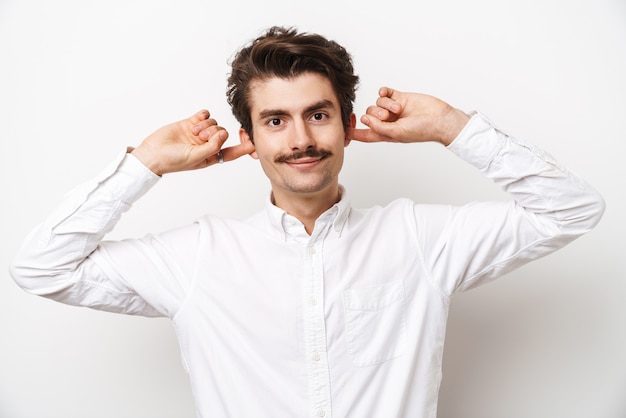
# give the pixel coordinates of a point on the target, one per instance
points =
(202, 125)
(379, 113)
(237, 151)
(381, 130)
(228, 154)
(202, 154)
(364, 135)
(386, 91)
(209, 128)
(389, 104)
(199, 116)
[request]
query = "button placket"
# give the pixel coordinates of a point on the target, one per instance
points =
(315, 334)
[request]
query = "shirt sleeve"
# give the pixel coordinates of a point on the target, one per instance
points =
(466, 246)
(65, 258)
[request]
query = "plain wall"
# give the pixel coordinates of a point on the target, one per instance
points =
(81, 80)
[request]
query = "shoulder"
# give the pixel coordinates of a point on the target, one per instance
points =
(397, 212)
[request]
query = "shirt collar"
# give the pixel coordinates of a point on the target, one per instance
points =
(285, 225)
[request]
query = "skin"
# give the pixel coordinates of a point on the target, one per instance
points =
(409, 117)
(290, 117)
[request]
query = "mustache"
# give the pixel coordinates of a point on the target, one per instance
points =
(311, 153)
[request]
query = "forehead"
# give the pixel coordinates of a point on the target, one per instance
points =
(290, 95)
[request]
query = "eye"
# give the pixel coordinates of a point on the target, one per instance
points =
(319, 116)
(274, 122)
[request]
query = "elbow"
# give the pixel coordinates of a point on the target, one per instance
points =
(601, 207)
(589, 212)
(596, 209)
(32, 279)
(22, 275)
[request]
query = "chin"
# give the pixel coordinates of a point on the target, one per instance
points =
(311, 187)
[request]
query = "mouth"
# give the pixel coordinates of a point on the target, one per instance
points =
(304, 163)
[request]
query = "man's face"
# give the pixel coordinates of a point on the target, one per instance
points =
(298, 134)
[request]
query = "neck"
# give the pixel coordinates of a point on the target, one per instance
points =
(307, 207)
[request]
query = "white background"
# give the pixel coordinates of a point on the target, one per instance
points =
(81, 80)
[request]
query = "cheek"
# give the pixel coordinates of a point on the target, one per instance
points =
(263, 152)
(268, 147)
(266, 157)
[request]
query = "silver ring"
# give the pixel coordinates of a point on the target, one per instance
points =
(220, 157)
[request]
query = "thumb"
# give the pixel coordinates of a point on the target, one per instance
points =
(363, 135)
(378, 130)
(200, 154)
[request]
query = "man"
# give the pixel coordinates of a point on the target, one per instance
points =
(311, 307)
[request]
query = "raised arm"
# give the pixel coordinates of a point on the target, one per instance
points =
(188, 144)
(64, 257)
(467, 245)
(409, 117)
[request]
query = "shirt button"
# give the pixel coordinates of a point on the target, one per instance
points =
(315, 356)
(312, 301)
(321, 413)
(312, 250)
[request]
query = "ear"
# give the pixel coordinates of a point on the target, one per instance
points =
(351, 124)
(243, 138)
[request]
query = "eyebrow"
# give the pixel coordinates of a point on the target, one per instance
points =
(322, 104)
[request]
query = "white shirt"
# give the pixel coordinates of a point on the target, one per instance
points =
(347, 322)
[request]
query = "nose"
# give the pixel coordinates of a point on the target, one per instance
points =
(301, 137)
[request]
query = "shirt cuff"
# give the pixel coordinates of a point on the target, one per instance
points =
(130, 179)
(478, 142)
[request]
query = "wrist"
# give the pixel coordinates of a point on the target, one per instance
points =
(453, 123)
(146, 159)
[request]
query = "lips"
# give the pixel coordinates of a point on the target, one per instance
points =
(304, 163)
(304, 160)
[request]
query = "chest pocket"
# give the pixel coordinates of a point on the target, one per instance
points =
(375, 320)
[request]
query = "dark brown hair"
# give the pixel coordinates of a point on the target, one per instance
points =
(286, 53)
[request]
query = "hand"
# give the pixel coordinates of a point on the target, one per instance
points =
(188, 144)
(409, 117)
